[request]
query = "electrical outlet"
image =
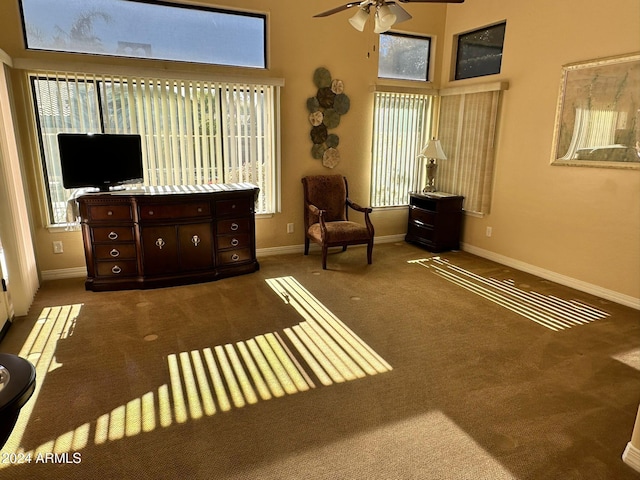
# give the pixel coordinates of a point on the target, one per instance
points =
(289, 227)
(489, 231)
(57, 247)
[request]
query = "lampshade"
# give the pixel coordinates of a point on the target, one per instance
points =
(360, 18)
(433, 149)
(384, 20)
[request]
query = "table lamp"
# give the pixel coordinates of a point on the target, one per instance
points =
(432, 151)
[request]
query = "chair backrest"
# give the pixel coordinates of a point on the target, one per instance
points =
(327, 192)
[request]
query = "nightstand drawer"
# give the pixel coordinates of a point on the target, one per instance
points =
(424, 217)
(421, 231)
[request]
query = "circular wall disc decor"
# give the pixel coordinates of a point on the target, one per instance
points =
(316, 118)
(331, 158)
(325, 110)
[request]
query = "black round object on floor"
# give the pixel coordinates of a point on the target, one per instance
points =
(17, 383)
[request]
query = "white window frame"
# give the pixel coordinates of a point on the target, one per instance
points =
(224, 153)
(398, 137)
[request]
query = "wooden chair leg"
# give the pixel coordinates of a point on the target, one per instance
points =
(324, 257)
(344, 248)
(306, 245)
(369, 252)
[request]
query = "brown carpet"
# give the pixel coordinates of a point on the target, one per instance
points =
(476, 390)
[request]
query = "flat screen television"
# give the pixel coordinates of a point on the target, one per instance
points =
(100, 160)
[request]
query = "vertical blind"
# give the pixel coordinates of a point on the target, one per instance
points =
(467, 128)
(401, 125)
(193, 132)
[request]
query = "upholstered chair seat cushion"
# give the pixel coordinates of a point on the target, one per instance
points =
(338, 232)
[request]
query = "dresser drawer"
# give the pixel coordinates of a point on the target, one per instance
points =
(233, 241)
(236, 206)
(124, 268)
(106, 252)
(176, 210)
(238, 255)
(110, 212)
(112, 234)
(231, 226)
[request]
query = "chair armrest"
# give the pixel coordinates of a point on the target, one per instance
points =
(366, 211)
(357, 207)
(320, 213)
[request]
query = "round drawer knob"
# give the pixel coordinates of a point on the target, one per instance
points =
(195, 240)
(234, 226)
(113, 236)
(235, 242)
(110, 212)
(199, 209)
(160, 243)
(235, 257)
(114, 253)
(150, 212)
(116, 269)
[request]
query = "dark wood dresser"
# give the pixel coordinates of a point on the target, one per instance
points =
(164, 236)
(435, 221)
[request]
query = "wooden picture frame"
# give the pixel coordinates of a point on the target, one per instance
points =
(598, 114)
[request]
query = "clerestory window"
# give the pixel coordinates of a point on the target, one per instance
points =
(145, 29)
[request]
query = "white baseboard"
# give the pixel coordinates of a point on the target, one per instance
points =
(596, 290)
(63, 273)
(261, 252)
(631, 457)
(264, 252)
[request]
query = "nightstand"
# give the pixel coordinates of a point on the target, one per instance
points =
(435, 221)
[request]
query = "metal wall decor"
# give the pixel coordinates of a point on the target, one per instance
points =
(325, 110)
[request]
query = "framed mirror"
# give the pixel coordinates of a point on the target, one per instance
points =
(598, 114)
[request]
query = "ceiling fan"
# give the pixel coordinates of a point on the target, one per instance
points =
(387, 13)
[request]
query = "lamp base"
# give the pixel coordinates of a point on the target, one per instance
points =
(432, 167)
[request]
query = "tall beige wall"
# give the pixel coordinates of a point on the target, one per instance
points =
(581, 223)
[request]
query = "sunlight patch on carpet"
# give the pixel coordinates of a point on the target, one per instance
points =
(547, 310)
(320, 349)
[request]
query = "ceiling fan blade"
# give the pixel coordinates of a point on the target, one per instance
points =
(431, 1)
(338, 9)
(401, 14)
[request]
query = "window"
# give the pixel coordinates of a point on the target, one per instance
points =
(479, 52)
(144, 29)
(401, 126)
(404, 57)
(467, 129)
(193, 132)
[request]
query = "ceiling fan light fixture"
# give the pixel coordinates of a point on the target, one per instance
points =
(384, 20)
(360, 18)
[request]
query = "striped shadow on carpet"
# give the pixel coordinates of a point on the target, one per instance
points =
(320, 349)
(547, 310)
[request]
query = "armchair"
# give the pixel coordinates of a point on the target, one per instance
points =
(326, 216)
